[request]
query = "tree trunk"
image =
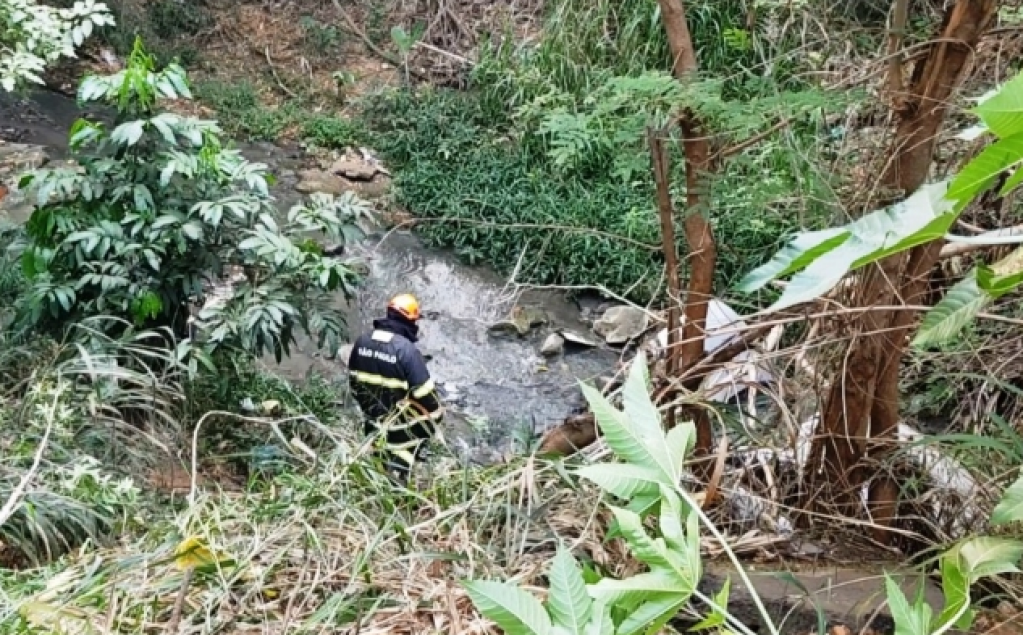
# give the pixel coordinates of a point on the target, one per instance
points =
(699, 236)
(863, 404)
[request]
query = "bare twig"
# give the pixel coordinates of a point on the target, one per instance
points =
(19, 491)
(179, 603)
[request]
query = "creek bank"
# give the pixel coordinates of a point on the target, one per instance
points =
(497, 384)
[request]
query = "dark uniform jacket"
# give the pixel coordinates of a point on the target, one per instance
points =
(387, 372)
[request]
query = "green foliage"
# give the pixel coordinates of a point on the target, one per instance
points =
(320, 38)
(823, 258)
(546, 158)
(653, 466)
(962, 566)
(327, 131)
(242, 113)
(820, 259)
(33, 36)
(157, 205)
(494, 191)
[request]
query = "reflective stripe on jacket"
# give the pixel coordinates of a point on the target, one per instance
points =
(387, 371)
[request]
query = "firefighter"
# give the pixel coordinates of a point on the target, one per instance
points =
(392, 385)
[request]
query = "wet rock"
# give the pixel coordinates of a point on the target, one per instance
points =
(20, 157)
(508, 327)
(576, 339)
(311, 181)
(354, 169)
(521, 321)
(530, 316)
(553, 345)
(619, 324)
(15, 160)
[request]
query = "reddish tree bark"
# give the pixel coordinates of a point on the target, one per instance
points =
(863, 403)
(698, 232)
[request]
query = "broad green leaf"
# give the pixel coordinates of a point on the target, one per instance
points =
(568, 602)
(952, 314)
(671, 520)
(1010, 508)
(511, 608)
(646, 549)
(128, 133)
(988, 555)
(623, 480)
(981, 172)
(624, 437)
(641, 416)
(680, 441)
(822, 274)
(1003, 276)
(600, 621)
(644, 586)
(653, 615)
(1002, 112)
(956, 589)
(922, 217)
(909, 620)
(716, 619)
(804, 249)
(967, 298)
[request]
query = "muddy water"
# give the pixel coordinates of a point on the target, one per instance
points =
(495, 383)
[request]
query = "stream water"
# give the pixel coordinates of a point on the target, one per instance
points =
(495, 382)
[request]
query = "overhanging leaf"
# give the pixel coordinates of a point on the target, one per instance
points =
(1002, 112)
(651, 616)
(1010, 508)
(989, 555)
(804, 249)
(645, 586)
(980, 173)
(511, 608)
(924, 216)
(952, 314)
(623, 480)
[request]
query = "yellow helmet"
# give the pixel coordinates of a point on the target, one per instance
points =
(406, 305)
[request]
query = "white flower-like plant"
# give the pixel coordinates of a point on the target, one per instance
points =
(33, 36)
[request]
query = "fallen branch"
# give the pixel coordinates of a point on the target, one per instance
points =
(19, 491)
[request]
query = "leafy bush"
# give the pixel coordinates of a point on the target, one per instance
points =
(156, 207)
(646, 484)
(572, 187)
(33, 36)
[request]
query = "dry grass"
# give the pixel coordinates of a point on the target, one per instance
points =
(339, 546)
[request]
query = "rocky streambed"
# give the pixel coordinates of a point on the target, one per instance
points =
(505, 358)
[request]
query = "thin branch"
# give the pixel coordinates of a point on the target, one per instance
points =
(899, 18)
(19, 491)
(752, 141)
